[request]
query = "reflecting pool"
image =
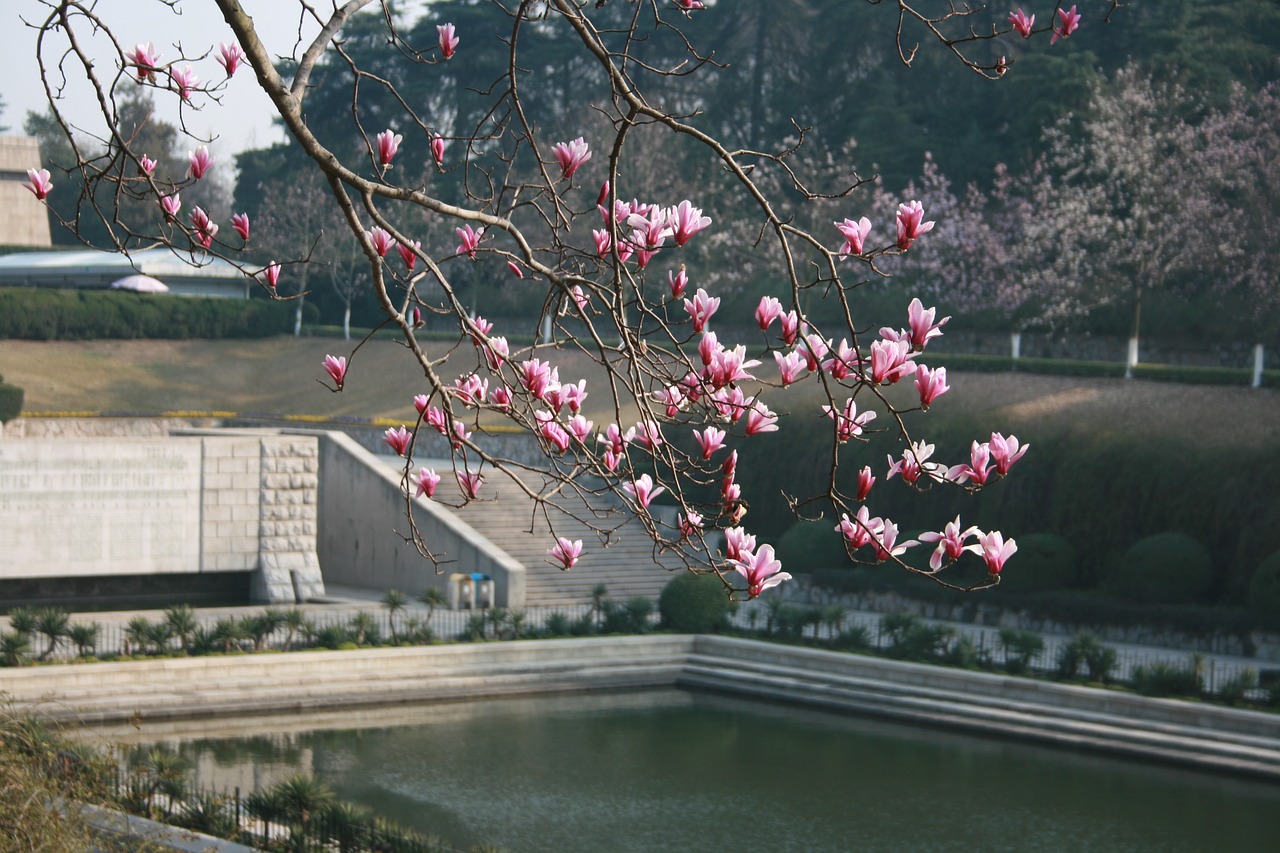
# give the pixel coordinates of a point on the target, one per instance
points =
(678, 771)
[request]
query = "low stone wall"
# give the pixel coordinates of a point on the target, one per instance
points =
(1193, 734)
(363, 523)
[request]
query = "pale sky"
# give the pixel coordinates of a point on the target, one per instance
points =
(242, 120)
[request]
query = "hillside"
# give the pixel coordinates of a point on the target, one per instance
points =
(281, 376)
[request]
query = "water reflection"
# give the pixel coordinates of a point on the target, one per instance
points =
(678, 771)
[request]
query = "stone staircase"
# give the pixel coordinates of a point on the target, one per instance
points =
(629, 566)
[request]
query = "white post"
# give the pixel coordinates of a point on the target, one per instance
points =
(1257, 365)
(1015, 345)
(546, 329)
(1132, 360)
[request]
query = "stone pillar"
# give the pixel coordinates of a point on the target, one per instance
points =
(288, 568)
(1259, 361)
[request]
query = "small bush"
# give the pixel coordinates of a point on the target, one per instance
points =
(855, 639)
(1020, 648)
(557, 625)
(694, 604)
(1086, 650)
(1169, 679)
(1264, 592)
(11, 399)
(1168, 568)
(1236, 689)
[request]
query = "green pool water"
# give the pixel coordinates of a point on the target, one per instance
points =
(678, 771)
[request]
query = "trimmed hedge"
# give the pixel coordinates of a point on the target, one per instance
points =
(1264, 592)
(45, 315)
(11, 398)
(1168, 568)
(694, 604)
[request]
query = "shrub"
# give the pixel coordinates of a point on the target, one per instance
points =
(1236, 688)
(854, 639)
(1045, 561)
(1169, 679)
(11, 399)
(1098, 660)
(1020, 648)
(557, 625)
(1168, 568)
(1264, 591)
(694, 604)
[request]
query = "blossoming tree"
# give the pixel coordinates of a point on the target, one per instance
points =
(573, 216)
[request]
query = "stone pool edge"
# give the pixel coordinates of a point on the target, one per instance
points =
(1172, 731)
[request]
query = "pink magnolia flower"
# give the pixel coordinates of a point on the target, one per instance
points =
(1068, 21)
(185, 79)
(861, 530)
(923, 329)
(146, 165)
(206, 232)
(813, 349)
(767, 311)
(790, 327)
(849, 424)
(470, 483)
(515, 269)
(146, 60)
(271, 272)
(579, 427)
(737, 543)
(496, 351)
(678, 282)
(571, 156)
(574, 393)
(199, 219)
(887, 544)
(701, 308)
(855, 235)
(566, 553)
(865, 481)
(978, 471)
(501, 397)
(611, 460)
(648, 435)
(557, 437)
(579, 297)
(471, 389)
(336, 367)
(710, 440)
(931, 384)
(448, 41)
(690, 523)
(950, 543)
(761, 570)
(760, 419)
(409, 253)
(890, 361)
(616, 439)
(240, 222)
(688, 6)
(380, 239)
(1005, 452)
(420, 402)
(729, 366)
(790, 366)
(388, 145)
(687, 221)
(1022, 22)
(171, 204)
(643, 490)
(39, 183)
(842, 361)
(200, 161)
(538, 376)
(398, 439)
(482, 328)
(914, 464)
(995, 550)
(230, 58)
(427, 481)
(435, 418)
(470, 238)
(910, 225)
(437, 150)
(603, 241)
(730, 403)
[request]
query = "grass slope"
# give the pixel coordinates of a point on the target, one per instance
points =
(279, 376)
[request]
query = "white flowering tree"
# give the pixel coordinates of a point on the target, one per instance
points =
(571, 213)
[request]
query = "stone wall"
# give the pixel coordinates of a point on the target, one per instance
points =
(24, 221)
(193, 503)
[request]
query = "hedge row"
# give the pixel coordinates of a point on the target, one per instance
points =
(45, 315)
(1187, 374)
(11, 397)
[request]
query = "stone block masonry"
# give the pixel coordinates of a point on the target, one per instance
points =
(186, 504)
